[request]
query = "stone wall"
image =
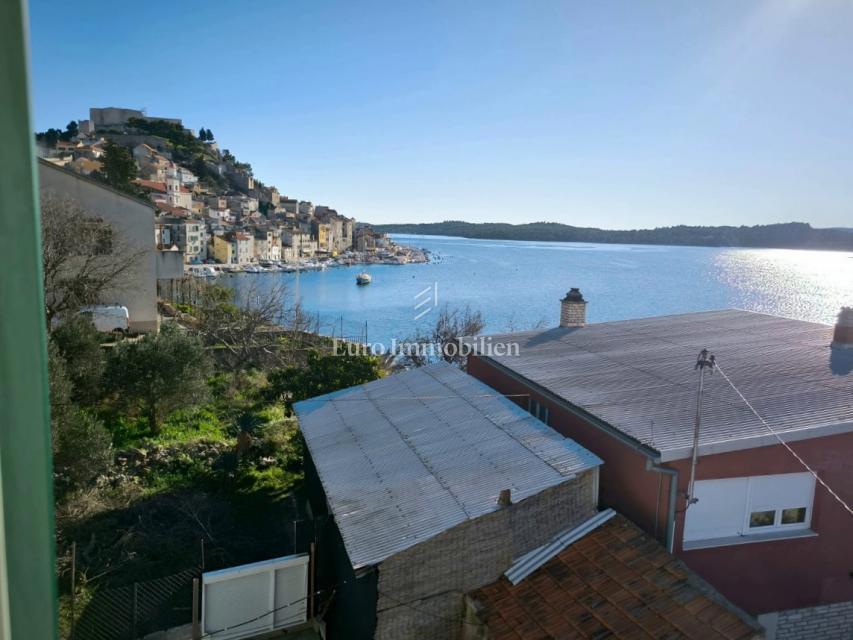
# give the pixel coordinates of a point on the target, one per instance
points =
(421, 590)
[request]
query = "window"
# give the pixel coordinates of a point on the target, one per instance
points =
(539, 410)
(750, 506)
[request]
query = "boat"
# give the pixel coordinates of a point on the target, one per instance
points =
(363, 278)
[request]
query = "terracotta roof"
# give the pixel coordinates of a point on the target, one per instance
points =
(156, 185)
(175, 211)
(152, 184)
(615, 582)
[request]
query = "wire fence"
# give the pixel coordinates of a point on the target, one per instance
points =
(132, 611)
(135, 610)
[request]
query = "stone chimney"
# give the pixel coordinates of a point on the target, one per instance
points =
(573, 309)
(843, 337)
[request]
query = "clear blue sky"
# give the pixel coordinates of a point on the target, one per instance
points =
(612, 114)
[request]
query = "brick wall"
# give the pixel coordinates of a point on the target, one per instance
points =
(572, 314)
(421, 590)
(826, 622)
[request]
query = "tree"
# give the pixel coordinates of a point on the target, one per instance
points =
(79, 344)
(202, 134)
(323, 373)
(82, 447)
(159, 374)
(247, 331)
(49, 137)
(442, 340)
(71, 130)
(210, 137)
(119, 167)
(83, 258)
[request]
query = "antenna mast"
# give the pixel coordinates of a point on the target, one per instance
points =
(703, 362)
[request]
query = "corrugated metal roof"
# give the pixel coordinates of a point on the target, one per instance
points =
(409, 456)
(638, 376)
(532, 560)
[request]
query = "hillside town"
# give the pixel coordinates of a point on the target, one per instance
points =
(209, 206)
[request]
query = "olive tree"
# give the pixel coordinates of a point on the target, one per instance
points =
(158, 374)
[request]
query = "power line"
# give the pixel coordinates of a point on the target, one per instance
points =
(400, 603)
(785, 444)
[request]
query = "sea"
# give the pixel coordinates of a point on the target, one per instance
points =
(517, 285)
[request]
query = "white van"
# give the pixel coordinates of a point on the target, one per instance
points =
(107, 318)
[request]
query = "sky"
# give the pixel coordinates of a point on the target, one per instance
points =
(609, 114)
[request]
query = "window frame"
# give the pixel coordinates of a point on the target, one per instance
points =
(756, 499)
(777, 507)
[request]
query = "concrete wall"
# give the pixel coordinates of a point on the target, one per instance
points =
(759, 577)
(134, 220)
(421, 590)
(170, 265)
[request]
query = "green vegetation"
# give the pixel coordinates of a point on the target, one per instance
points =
(158, 374)
(184, 143)
(792, 235)
(323, 373)
(160, 446)
(52, 136)
(119, 167)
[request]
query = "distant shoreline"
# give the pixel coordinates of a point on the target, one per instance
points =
(794, 235)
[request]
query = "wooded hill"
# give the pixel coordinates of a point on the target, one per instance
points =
(790, 235)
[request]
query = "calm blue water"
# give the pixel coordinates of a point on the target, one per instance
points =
(518, 285)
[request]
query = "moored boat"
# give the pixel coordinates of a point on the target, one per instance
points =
(363, 278)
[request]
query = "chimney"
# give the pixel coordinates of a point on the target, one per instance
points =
(573, 309)
(843, 337)
(505, 498)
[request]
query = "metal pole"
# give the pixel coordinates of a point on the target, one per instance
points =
(312, 568)
(73, 585)
(704, 361)
(196, 627)
(202, 554)
(135, 610)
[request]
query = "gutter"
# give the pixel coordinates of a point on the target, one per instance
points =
(653, 456)
(673, 494)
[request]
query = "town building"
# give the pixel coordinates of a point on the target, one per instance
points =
(322, 233)
(234, 247)
(117, 118)
(133, 220)
(187, 234)
(267, 245)
(301, 242)
(756, 524)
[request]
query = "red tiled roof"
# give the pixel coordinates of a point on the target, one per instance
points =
(152, 184)
(615, 582)
(155, 185)
(175, 211)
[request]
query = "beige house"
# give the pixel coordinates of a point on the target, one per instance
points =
(234, 247)
(267, 245)
(133, 219)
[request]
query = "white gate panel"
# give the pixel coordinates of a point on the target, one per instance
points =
(243, 601)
